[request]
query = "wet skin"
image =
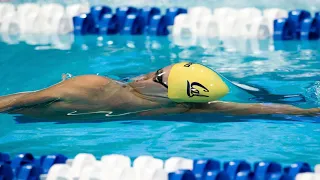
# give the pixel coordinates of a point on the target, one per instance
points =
(92, 96)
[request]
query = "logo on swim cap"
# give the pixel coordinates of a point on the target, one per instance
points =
(193, 91)
(188, 64)
(191, 88)
(190, 82)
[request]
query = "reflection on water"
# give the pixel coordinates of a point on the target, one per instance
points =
(41, 41)
(236, 56)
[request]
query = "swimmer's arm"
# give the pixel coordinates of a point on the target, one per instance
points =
(250, 108)
(79, 88)
(14, 102)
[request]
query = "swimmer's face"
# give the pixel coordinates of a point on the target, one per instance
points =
(154, 84)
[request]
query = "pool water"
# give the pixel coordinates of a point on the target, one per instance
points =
(280, 67)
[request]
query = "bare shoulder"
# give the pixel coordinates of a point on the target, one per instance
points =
(78, 85)
(89, 80)
(83, 81)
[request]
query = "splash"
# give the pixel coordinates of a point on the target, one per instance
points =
(314, 93)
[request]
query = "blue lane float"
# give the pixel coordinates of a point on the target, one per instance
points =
(84, 24)
(182, 175)
(97, 13)
(297, 17)
(280, 176)
(159, 23)
(134, 25)
(101, 21)
(245, 175)
(159, 26)
(109, 24)
(202, 166)
(46, 162)
(263, 170)
(6, 171)
(4, 158)
(216, 175)
(171, 13)
(147, 14)
(284, 29)
(310, 29)
(232, 168)
(20, 160)
(123, 12)
(296, 168)
(29, 172)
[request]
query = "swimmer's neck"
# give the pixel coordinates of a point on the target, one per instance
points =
(151, 100)
(145, 101)
(143, 98)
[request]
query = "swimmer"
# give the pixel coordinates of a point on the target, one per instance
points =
(179, 88)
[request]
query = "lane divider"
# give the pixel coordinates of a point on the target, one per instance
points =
(119, 167)
(180, 23)
(202, 22)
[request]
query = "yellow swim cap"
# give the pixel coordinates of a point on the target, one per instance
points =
(190, 82)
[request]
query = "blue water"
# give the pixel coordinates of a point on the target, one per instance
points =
(281, 68)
